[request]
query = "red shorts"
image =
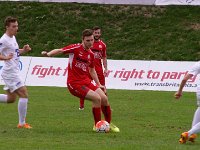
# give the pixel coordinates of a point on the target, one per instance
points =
(81, 90)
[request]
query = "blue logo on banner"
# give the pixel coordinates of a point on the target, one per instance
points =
(20, 65)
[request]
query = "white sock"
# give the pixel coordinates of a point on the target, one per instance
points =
(3, 98)
(22, 109)
(195, 129)
(196, 118)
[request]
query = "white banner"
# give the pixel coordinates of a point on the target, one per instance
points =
(47, 72)
(24, 66)
(123, 74)
(140, 2)
(149, 75)
(177, 2)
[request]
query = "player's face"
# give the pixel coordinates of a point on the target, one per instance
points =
(88, 41)
(12, 28)
(97, 34)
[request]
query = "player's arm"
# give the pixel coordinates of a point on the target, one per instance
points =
(94, 76)
(3, 45)
(105, 64)
(178, 94)
(104, 60)
(65, 50)
(25, 49)
(52, 53)
(10, 56)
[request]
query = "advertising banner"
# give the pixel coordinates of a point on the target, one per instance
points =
(177, 2)
(24, 66)
(47, 72)
(122, 74)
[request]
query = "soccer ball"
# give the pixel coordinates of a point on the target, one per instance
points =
(102, 126)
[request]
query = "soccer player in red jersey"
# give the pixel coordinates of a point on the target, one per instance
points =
(79, 82)
(100, 59)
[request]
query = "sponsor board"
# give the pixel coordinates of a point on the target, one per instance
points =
(122, 74)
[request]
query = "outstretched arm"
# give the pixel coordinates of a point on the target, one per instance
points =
(52, 53)
(178, 94)
(65, 50)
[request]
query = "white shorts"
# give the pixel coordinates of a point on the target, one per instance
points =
(13, 84)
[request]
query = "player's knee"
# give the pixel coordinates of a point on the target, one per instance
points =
(23, 93)
(104, 100)
(11, 99)
(97, 99)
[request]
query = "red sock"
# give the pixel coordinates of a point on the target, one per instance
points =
(107, 113)
(97, 114)
(81, 103)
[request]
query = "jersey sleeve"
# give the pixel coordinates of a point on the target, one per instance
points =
(195, 70)
(104, 50)
(2, 45)
(70, 48)
(92, 60)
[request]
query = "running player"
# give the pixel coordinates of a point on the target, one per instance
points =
(99, 50)
(81, 64)
(191, 134)
(10, 52)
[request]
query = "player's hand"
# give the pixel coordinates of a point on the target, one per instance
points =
(103, 88)
(177, 95)
(44, 53)
(26, 48)
(105, 72)
(10, 56)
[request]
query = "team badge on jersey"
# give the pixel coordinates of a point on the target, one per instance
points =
(100, 46)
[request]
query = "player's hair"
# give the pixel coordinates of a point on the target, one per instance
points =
(87, 32)
(96, 28)
(9, 20)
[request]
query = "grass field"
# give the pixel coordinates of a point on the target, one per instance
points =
(148, 120)
(130, 32)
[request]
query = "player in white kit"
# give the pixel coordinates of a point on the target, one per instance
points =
(10, 52)
(191, 135)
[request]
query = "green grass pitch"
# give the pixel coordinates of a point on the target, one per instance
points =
(149, 120)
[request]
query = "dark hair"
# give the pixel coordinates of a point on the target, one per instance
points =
(96, 28)
(9, 20)
(87, 32)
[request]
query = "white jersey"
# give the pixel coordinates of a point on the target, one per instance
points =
(9, 45)
(195, 70)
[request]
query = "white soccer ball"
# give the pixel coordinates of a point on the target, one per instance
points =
(102, 126)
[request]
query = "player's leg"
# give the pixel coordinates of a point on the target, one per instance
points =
(84, 92)
(8, 97)
(106, 109)
(22, 106)
(81, 107)
(191, 135)
(96, 104)
(196, 118)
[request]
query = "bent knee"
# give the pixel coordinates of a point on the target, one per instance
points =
(104, 100)
(11, 100)
(97, 98)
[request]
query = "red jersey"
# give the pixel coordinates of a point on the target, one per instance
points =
(79, 62)
(99, 50)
